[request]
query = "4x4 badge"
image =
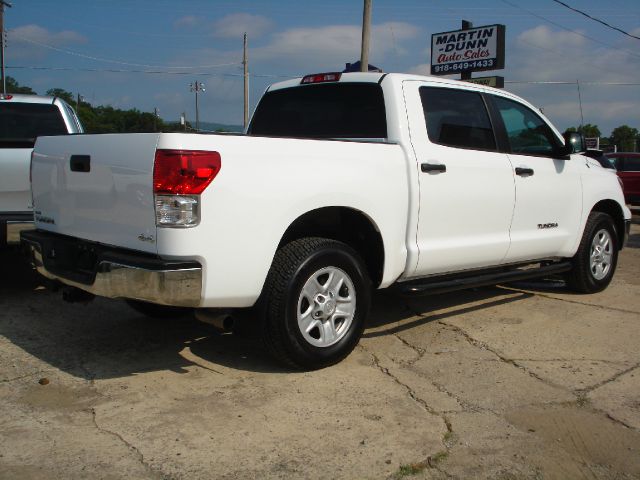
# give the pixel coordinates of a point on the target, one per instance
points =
(146, 238)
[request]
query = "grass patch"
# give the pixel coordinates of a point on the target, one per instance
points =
(411, 469)
(415, 468)
(438, 457)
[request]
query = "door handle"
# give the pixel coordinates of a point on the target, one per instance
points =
(80, 163)
(433, 167)
(524, 172)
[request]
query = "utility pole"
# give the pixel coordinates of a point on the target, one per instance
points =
(245, 64)
(580, 102)
(3, 4)
(80, 98)
(366, 26)
(155, 119)
(197, 87)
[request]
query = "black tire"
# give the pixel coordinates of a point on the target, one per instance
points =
(153, 310)
(583, 278)
(294, 265)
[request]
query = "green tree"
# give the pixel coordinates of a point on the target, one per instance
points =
(588, 130)
(625, 137)
(63, 94)
(14, 87)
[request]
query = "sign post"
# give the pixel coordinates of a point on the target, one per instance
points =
(466, 25)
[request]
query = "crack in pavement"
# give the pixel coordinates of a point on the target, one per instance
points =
(609, 380)
(419, 351)
(575, 302)
(611, 362)
(483, 346)
(423, 404)
(130, 446)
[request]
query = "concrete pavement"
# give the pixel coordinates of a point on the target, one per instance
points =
(523, 381)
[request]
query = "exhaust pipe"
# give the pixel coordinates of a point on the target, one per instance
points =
(220, 318)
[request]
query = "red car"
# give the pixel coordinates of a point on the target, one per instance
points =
(628, 166)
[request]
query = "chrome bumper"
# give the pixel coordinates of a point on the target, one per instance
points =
(11, 224)
(166, 283)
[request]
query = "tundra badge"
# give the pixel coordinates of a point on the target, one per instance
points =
(542, 226)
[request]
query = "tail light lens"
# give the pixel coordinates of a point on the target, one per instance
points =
(179, 177)
(184, 172)
(321, 78)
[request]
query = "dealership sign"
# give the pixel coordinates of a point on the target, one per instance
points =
(471, 50)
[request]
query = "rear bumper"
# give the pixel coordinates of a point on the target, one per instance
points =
(112, 272)
(11, 224)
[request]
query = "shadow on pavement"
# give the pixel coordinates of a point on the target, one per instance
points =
(457, 303)
(107, 339)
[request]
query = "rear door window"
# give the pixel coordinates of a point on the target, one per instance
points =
(457, 118)
(21, 123)
(335, 110)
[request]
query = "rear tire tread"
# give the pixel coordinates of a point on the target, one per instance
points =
(285, 264)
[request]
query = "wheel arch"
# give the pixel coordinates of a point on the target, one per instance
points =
(345, 224)
(615, 211)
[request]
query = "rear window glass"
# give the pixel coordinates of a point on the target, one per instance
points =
(21, 123)
(457, 118)
(336, 110)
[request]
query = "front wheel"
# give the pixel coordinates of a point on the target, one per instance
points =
(595, 261)
(317, 297)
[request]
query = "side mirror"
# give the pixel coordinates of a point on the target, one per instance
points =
(573, 143)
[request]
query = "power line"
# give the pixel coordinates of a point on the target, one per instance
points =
(154, 72)
(596, 19)
(117, 62)
(258, 75)
(507, 2)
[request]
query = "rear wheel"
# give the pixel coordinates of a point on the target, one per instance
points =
(317, 297)
(595, 261)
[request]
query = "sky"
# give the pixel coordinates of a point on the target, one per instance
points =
(144, 53)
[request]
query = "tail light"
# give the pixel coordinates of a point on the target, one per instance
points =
(179, 177)
(184, 172)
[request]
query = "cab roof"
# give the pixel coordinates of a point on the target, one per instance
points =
(22, 98)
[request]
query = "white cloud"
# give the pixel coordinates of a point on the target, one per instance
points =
(235, 26)
(545, 38)
(332, 46)
(188, 21)
(31, 41)
(422, 69)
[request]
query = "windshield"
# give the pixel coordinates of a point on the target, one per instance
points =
(334, 110)
(21, 123)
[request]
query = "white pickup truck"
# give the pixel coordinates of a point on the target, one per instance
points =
(343, 183)
(22, 119)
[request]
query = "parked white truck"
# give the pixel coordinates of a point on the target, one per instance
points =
(343, 183)
(22, 119)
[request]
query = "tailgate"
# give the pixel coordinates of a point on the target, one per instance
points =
(97, 187)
